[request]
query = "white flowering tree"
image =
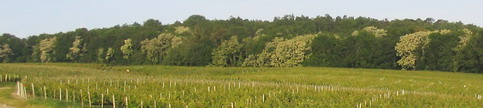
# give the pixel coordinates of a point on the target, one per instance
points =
(5, 53)
(182, 30)
(282, 52)
(379, 33)
(77, 50)
(126, 49)
(463, 57)
(109, 54)
(409, 44)
(46, 48)
(464, 39)
(156, 48)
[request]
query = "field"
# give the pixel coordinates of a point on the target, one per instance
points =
(172, 86)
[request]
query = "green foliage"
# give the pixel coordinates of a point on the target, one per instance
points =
(126, 49)
(182, 30)
(17, 46)
(194, 20)
(292, 52)
(439, 53)
(228, 53)
(407, 47)
(437, 50)
(5, 53)
(379, 33)
(366, 48)
(46, 47)
(326, 51)
(77, 50)
(256, 44)
(343, 41)
(470, 57)
(35, 57)
(100, 55)
(109, 55)
(282, 53)
(464, 39)
(156, 48)
(152, 23)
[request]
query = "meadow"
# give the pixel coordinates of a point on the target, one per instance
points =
(88, 85)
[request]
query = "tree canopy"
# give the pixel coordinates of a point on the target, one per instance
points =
(341, 41)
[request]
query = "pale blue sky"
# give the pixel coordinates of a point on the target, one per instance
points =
(31, 17)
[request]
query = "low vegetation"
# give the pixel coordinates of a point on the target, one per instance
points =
(174, 86)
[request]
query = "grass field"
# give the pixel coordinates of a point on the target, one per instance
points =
(7, 97)
(169, 86)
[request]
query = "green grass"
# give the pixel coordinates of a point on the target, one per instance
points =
(253, 87)
(6, 97)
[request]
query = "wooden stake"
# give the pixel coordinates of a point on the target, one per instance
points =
(60, 94)
(73, 95)
(33, 90)
(54, 93)
(127, 102)
(66, 94)
(124, 88)
(81, 99)
(89, 97)
(113, 102)
(263, 97)
(25, 91)
(102, 100)
(18, 88)
(45, 93)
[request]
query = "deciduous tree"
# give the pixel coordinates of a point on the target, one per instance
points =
(412, 46)
(46, 47)
(373, 30)
(109, 55)
(156, 48)
(282, 53)
(77, 50)
(5, 53)
(228, 53)
(126, 49)
(100, 55)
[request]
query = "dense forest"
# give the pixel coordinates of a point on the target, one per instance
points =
(342, 41)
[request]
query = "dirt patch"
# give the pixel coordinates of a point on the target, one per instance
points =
(5, 88)
(5, 105)
(15, 96)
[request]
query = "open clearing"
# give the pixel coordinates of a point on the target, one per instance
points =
(170, 86)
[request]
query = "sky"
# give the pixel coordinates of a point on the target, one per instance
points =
(24, 18)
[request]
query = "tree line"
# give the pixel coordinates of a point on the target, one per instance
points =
(362, 42)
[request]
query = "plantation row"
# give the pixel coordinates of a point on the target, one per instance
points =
(166, 92)
(167, 86)
(9, 77)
